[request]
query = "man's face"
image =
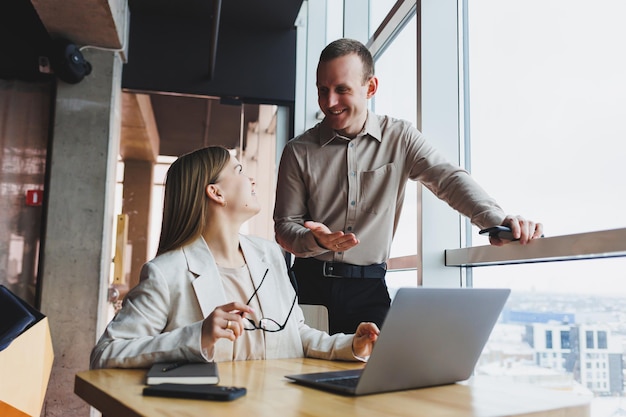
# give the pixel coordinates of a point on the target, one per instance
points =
(342, 95)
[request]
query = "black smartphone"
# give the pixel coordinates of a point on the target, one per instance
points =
(199, 392)
(502, 232)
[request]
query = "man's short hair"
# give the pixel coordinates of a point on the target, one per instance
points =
(345, 46)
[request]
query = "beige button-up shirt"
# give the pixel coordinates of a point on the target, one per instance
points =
(357, 185)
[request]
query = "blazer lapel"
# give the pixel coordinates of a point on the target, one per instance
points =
(207, 285)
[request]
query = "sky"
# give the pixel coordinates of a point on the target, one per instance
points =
(547, 88)
(547, 94)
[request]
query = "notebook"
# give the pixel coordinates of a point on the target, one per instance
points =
(182, 373)
(431, 336)
(16, 316)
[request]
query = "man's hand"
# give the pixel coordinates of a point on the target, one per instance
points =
(521, 228)
(333, 241)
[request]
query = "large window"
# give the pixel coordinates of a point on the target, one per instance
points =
(378, 11)
(24, 123)
(397, 97)
(546, 92)
(529, 95)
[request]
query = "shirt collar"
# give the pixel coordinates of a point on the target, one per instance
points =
(372, 128)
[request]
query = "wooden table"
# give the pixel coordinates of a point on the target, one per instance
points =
(117, 393)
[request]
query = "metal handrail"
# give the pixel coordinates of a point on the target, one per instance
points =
(591, 245)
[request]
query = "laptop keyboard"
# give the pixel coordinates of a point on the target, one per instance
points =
(350, 381)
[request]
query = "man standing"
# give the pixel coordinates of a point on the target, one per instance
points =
(341, 187)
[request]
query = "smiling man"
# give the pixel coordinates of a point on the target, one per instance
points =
(341, 187)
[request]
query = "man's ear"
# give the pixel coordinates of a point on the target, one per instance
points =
(372, 86)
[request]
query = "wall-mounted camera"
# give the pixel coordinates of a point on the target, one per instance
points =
(68, 62)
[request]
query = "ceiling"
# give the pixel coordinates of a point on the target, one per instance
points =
(202, 63)
(199, 122)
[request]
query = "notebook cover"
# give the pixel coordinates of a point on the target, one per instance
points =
(183, 373)
(16, 316)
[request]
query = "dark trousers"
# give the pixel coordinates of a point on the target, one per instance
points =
(350, 301)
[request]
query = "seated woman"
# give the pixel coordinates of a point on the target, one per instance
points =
(212, 294)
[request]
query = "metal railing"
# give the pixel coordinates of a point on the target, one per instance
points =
(591, 245)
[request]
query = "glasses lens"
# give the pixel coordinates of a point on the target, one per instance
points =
(269, 325)
(248, 324)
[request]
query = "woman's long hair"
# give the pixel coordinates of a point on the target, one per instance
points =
(185, 203)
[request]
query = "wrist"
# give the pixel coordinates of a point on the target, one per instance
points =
(359, 357)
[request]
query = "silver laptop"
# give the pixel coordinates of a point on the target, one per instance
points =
(431, 336)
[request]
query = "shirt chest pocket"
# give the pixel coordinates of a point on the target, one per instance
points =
(378, 189)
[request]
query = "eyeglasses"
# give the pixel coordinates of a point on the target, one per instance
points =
(266, 324)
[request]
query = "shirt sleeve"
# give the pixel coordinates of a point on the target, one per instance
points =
(290, 210)
(135, 338)
(321, 345)
(449, 182)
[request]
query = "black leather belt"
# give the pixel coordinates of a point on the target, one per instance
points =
(343, 270)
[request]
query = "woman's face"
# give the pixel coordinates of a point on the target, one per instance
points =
(238, 190)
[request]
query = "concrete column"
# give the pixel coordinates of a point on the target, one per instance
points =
(138, 180)
(78, 240)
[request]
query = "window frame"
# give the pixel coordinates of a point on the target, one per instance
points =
(450, 19)
(445, 256)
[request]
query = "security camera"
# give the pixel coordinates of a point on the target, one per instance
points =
(68, 62)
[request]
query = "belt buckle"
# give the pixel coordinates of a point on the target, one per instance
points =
(327, 270)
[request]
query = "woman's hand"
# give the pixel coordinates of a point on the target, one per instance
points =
(364, 338)
(224, 322)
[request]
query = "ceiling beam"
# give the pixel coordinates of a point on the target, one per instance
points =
(139, 136)
(101, 23)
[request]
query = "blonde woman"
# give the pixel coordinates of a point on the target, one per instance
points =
(211, 293)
